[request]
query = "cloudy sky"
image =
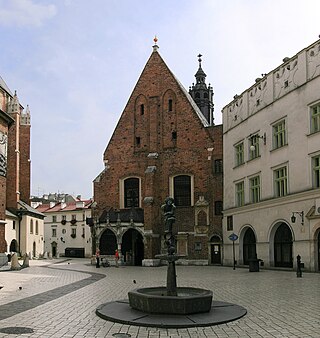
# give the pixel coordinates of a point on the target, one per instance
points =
(76, 62)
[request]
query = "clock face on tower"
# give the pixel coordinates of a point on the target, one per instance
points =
(3, 153)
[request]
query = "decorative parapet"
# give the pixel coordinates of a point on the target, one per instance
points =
(291, 74)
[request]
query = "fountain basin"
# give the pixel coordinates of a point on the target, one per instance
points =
(155, 300)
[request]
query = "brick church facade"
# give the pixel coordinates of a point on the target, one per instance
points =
(21, 226)
(163, 145)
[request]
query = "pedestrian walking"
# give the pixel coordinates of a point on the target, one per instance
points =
(98, 258)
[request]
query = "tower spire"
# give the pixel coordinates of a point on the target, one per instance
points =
(202, 94)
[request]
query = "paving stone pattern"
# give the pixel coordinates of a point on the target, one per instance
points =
(59, 300)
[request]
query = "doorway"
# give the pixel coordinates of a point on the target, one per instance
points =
(54, 249)
(215, 246)
(249, 246)
(132, 247)
(108, 243)
(283, 247)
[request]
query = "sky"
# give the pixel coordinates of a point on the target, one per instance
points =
(76, 62)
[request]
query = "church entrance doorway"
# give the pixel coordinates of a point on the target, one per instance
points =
(283, 247)
(108, 243)
(249, 246)
(132, 247)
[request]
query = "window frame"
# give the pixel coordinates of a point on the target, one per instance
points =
(255, 189)
(239, 194)
(31, 226)
(280, 182)
(315, 165)
(122, 192)
(279, 134)
(172, 189)
(315, 119)
(254, 141)
(239, 154)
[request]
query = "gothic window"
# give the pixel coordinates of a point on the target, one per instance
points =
(197, 95)
(182, 190)
(131, 193)
(37, 228)
(31, 226)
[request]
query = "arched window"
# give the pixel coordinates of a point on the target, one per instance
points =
(37, 228)
(31, 226)
(182, 190)
(131, 193)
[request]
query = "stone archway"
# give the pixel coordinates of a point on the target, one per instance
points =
(108, 243)
(13, 246)
(249, 246)
(132, 247)
(283, 242)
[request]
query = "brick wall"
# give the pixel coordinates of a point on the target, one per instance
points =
(179, 138)
(24, 172)
(13, 161)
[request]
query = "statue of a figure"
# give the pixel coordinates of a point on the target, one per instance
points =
(169, 218)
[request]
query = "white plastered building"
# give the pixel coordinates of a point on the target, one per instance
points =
(272, 166)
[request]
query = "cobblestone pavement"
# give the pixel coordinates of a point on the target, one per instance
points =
(59, 300)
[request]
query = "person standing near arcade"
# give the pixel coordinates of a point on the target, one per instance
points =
(116, 256)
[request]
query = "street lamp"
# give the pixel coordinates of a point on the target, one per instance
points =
(300, 213)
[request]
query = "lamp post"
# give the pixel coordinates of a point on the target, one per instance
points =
(300, 213)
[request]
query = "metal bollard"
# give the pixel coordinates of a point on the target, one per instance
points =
(299, 266)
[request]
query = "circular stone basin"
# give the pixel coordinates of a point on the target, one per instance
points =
(155, 300)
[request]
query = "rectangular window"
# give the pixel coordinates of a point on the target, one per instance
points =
(182, 190)
(279, 135)
(218, 166)
(54, 219)
(73, 217)
(230, 223)
(316, 171)
(64, 217)
(131, 193)
(54, 232)
(170, 105)
(240, 194)
(315, 119)
(254, 150)
(13, 225)
(239, 154)
(255, 189)
(280, 182)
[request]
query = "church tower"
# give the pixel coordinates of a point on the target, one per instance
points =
(203, 94)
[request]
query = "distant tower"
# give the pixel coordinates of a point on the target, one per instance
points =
(203, 95)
